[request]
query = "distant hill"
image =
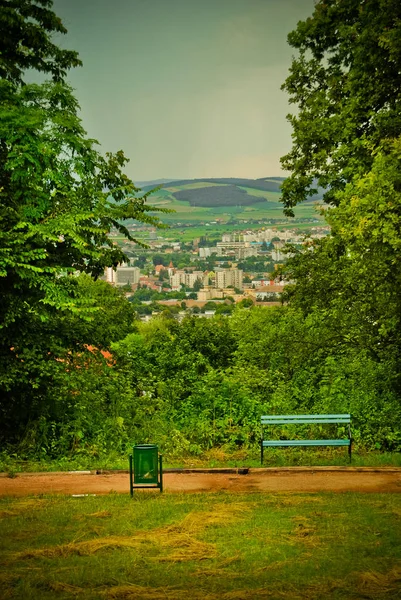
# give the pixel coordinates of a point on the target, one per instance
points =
(267, 184)
(223, 199)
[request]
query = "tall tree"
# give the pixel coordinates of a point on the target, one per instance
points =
(59, 199)
(347, 138)
(353, 277)
(345, 83)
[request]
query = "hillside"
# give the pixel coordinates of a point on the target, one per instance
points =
(224, 199)
(268, 184)
(218, 195)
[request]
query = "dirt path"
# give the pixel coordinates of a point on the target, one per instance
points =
(257, 480)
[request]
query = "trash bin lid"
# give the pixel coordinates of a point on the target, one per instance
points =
(144, 446)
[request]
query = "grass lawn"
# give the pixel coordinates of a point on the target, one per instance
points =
(202, 546)
(215, 457)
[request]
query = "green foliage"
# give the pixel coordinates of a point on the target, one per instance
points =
(255, 264)
(345, 84)
(46, 372)
(334, 346)
(145, 294)
(352, 278)
(159, 259)
(203, 383)
(346, 138)
(26, 30)
(245, 303)
(59, 199)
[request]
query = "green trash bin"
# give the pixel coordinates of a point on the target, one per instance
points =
(145, 463)
(146, 467)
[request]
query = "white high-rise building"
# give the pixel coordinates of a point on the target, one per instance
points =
(188, 279)
(205, 252)
(229, 277)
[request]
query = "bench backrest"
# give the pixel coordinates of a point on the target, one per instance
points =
(298, 419)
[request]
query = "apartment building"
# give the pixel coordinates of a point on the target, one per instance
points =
(229, 277)
(246, 252)
(188, 279)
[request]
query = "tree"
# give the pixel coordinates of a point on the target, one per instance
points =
(210, 305)
(245, 303)
(224, 309)
(41, 367)
(163, 274)
(26, 28)
(59, 199)
(347, 139)
(347, 136)
(112, 319)
(210, 337)
(159, 259)
(198, 285)
(140, 261)
(353, 275)
(345, 83)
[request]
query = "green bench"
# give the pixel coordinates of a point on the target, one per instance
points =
(273, 420)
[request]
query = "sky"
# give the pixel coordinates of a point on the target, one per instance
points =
(187, 88)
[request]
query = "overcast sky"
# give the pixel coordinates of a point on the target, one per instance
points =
(187, 88)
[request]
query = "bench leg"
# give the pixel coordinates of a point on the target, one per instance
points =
(261, 453)
(131, 485)
(161, 473)
(350, 450)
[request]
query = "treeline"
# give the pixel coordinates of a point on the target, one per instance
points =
(192, 385)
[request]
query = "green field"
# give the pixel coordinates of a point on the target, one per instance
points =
(188, 222)
(202, 546)
(184, 212)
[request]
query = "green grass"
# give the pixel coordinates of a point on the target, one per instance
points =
(216, 230)
(216, 457)
(184, 212)
(192, 186)
(202, 546)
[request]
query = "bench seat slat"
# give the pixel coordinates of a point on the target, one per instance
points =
(300, 419)
(304, 416)
(345, 442)
(306, 421)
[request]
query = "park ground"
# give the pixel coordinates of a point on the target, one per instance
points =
(287, 479)
(292, 533)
